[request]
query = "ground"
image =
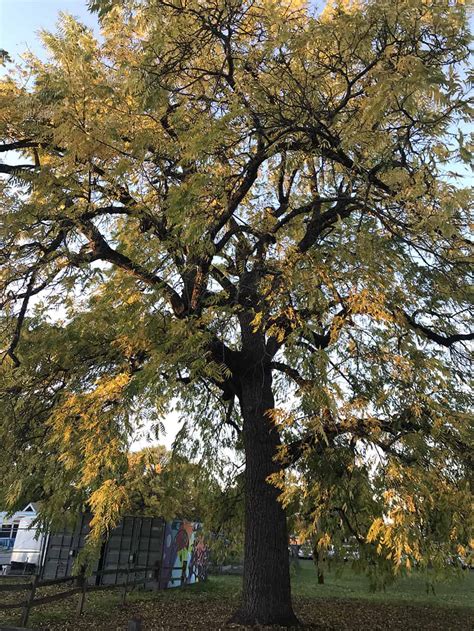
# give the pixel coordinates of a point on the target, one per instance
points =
(343, 602)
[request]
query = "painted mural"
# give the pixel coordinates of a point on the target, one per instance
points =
(185, 555)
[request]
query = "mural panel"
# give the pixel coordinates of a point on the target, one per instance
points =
(185, 555)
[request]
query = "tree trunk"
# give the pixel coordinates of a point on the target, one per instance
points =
(266, 581)
(317, 562)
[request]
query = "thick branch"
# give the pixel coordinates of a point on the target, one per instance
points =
(292, 373)
(443, 340)
(250, 175)
(320, 222)
(103, 251)
(15, 169)
(10, 352)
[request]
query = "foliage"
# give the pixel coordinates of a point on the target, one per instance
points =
(227, 176)
(160, 482)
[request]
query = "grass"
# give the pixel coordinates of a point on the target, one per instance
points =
(344, 582)
(343, 602)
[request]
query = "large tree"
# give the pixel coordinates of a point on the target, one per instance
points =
(239, 202)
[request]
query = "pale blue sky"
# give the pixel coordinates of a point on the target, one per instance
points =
(20, 21)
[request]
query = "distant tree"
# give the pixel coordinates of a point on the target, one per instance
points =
(160, 484)
(239, 201)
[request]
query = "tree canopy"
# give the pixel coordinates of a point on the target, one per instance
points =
(245, 201)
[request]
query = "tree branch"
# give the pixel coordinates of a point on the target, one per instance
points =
(10, 352)
(103, 251)
(292, 373)
(443, 340)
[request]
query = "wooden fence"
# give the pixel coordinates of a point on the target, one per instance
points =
(81, 587)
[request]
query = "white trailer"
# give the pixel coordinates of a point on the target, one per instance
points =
(21, 544)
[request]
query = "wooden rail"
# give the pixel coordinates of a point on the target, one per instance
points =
(15, 587)
(82, 587)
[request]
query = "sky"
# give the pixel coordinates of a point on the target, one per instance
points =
(20, 21)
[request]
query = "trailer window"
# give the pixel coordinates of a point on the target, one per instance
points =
(5, 530)
(9, 531)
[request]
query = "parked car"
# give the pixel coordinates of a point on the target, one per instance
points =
(305, 551)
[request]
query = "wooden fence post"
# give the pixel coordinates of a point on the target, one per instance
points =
(82, 596)
(135, 624)
(124, 593)
(26, 609)
(183, 572)
(157, 575)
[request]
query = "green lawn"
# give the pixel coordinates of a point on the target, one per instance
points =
(343, 582)
(458, 591)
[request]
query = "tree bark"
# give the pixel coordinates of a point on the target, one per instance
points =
(266, 597)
